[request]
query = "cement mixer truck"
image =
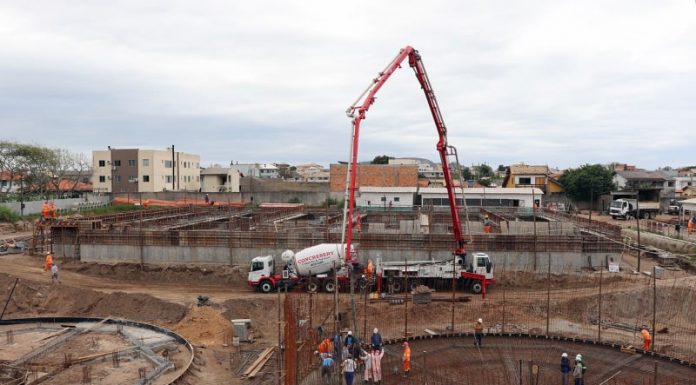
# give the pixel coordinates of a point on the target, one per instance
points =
(316, 267)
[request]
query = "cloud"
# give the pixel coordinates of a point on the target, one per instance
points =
(561, 83)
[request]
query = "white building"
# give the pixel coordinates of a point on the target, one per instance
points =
(258, 170)
(395, 197)
(219, 179)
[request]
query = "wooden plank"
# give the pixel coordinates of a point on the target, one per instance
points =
(260, 365)
(266, 353)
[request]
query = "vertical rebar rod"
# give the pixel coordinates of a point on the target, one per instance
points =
(599, 305)
(652, 347)
(548, 295)
(454, 284)
(406, 298)
(279, 340)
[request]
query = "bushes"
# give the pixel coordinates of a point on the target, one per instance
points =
(7, 215)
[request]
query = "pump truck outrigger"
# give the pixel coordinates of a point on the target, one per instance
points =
(335, 260)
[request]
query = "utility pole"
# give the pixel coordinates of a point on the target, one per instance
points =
(640, 251)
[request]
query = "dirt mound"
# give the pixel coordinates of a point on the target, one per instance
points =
(235, 276)
(32, 299)
(205, 326)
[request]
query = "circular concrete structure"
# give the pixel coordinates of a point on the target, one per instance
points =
(521, 359)
(67, 350)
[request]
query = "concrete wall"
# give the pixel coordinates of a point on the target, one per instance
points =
(173, 255)
(34, 207)
(309, 198)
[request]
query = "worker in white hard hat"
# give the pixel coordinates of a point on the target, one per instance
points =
(350, 340)
(579, 370)
(478, 332)
(376, 340)
(565, 368)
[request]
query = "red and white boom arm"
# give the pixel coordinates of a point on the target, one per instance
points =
(357, 112)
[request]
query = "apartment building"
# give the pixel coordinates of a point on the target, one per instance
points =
(141, 170)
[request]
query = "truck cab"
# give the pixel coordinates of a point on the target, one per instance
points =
(262, 275)
(481, 264)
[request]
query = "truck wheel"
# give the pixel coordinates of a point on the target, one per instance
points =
(646, 215)
(413, 284)
(613, 217)
(476, 287)
(312, 287)
(266, 286)
(396, 286)
(329, 286)
(653, 215)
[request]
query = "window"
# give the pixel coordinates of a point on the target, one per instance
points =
(146, 162)
(131, 162)
(383, 199)
(525, 180)
(102, 179)
(117, 163)
(396, 199)
(256, 266)
(3, 183)
(133, 179)
(102, 163)
(146, 178)
(168, 178)
(117, 178)
(168, 164)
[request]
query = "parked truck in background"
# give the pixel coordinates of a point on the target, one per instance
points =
(674, 207)
(631, 208)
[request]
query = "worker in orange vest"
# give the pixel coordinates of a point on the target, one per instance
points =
(369, 269)
(49, 261)
(646, 339)
(325, 346)
(407, 359)
(487, 225)
(690, 225)
(45, 210)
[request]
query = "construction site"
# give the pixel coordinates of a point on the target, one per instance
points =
(127, 308)
(243, 292)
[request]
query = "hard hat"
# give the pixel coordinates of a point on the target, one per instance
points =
(405, 343)
(578, 357)
(350, 333)
(480, 320)
(375, 331)
(564, 355)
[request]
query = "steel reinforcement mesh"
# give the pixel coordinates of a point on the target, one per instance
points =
(550, 310)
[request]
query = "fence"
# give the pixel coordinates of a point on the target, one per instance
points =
(549, 312)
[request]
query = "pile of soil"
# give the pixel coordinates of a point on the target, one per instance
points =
(263, 313)
(234, 276)
(33, 299)
(203, 325)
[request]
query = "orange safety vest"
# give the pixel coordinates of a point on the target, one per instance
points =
(478, 327)
(407, 353)
(44, 210)
(646, 335)
(49, 262)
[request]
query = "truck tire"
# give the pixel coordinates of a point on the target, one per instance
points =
(476, 287)
(396, 286)
(329, 286)
(613, 217)
(653, 215)
(413, 284)
(646, 215)
(266, 286)
(312, 287)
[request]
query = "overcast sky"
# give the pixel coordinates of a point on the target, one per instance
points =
(562, 83)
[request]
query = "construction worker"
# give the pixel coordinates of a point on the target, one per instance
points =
(53, 209)
(350, 340)
(348, 367)
(49, 261)
(376, 340)
(579, 370)
(646, 339)
(406, 359)
(325, 346)
(487, 225)
(326, 365)
(368, 271)
(565, 368)
(376, 358)
(45, 210)
(366, 358)
(54, 274)
(691, 225)
(478, 332)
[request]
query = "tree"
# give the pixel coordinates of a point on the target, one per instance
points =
(381, 159)
(466, 173)
(586, 181)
